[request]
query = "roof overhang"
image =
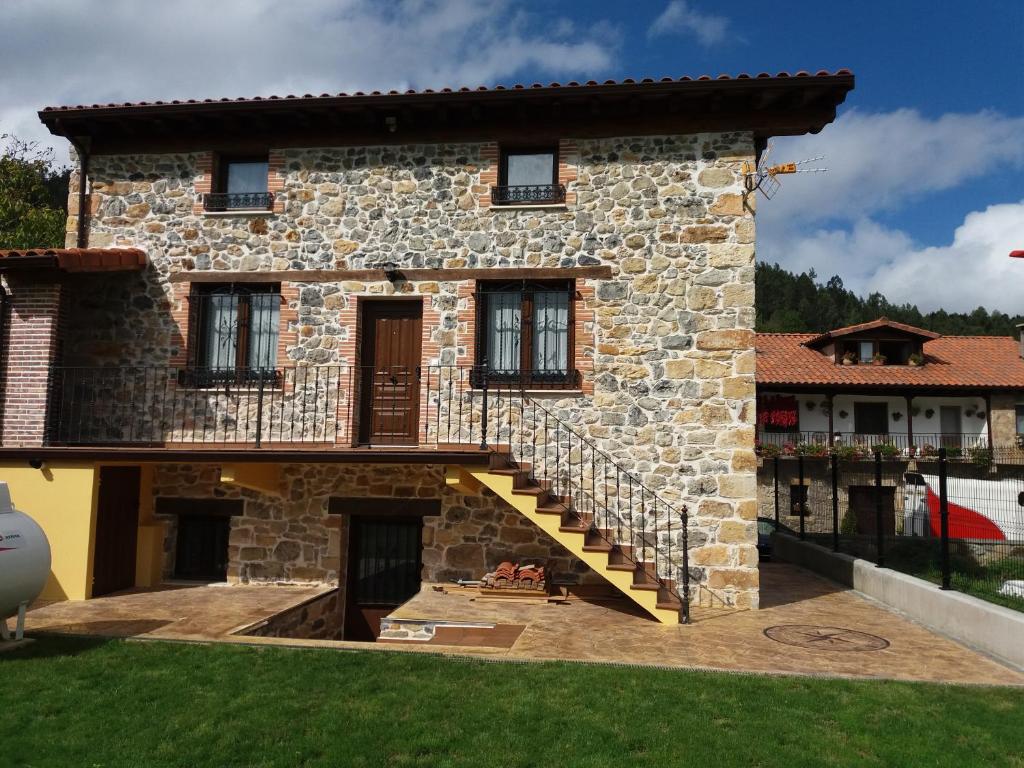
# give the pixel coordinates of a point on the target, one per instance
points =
(766, 105)
(882, 324)
(65, 260)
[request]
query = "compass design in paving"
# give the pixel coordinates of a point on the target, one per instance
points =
(825, 638)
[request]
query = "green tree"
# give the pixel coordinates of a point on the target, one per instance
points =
(790, 303)
(33, 195)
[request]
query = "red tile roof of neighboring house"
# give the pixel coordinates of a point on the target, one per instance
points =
(74, 259)
(990, 362)
(841, 73)
(882, 322)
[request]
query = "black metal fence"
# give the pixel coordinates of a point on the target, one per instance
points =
(959, 524)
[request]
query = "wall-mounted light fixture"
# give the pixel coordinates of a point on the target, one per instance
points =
(390, 269)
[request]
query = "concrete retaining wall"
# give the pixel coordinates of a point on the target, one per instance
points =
(991, 628)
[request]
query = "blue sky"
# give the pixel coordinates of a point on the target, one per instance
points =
(925, 160)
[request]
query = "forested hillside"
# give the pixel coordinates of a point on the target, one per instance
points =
(799, 303)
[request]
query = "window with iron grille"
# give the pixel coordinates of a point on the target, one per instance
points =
(528, 176)
(240, 183)
(525, 332)
(233, 332)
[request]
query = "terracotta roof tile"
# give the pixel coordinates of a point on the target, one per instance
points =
(75, 259)
(991, 362)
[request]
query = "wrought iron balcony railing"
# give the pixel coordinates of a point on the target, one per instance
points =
(238, 201)
(528, 194)
(330, 406)
(859, 445)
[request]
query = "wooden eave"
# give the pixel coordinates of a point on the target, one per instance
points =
(764, 106)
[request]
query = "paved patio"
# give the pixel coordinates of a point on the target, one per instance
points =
(179, 612)
(807, 625)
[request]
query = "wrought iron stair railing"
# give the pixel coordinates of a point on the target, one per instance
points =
(641, 530)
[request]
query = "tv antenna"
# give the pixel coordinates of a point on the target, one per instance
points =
(765, 177)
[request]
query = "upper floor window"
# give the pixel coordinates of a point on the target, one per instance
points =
(234, 330)
(240, 183)
(525, 332)
(528, 176)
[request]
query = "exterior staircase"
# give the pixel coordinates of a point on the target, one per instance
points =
(578, 495)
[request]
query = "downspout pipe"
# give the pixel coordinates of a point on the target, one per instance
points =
(81, 145)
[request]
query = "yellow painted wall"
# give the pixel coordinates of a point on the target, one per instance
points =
(150, 548)
(61, 497)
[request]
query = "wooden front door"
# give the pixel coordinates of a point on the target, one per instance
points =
(384, 564)
(202, 548)
(390, 380)
(117, 530)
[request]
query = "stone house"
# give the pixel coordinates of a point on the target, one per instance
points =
(375, 340)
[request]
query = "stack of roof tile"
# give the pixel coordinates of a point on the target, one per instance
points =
(510, 575)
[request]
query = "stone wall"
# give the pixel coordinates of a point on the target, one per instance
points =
(291, 538)
(322, 618)
(1004, 418)
(671, 344)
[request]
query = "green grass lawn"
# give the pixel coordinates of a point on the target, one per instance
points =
(70, 703)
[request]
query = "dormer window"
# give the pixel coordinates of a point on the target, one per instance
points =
(528, 176)
(240, 184)
(880, 342)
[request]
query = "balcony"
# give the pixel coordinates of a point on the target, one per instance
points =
(528, 194)
(224, 202)
(300, 408)
(859, 445)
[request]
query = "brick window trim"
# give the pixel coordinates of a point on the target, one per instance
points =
(287, 333)
(490, 168)
(583, 332)
(206, 164)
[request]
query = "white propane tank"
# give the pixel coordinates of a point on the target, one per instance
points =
(24, 557)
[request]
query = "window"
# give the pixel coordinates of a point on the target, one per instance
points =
(233, 331)
(528, 176)
(871, 418)
(240, 184)
(865, 351)
(1019, 411)
(526, 332)
(798, 499)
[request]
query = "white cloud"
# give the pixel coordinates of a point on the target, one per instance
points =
(678, 17)
(90, 51)
(970, 271)
(881, 161)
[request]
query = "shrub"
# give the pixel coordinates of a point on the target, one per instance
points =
(888, 450)
(981, 457)
(811, 449)
(850, 452)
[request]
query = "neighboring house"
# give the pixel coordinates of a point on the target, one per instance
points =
(368, 340)
(888, 384)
